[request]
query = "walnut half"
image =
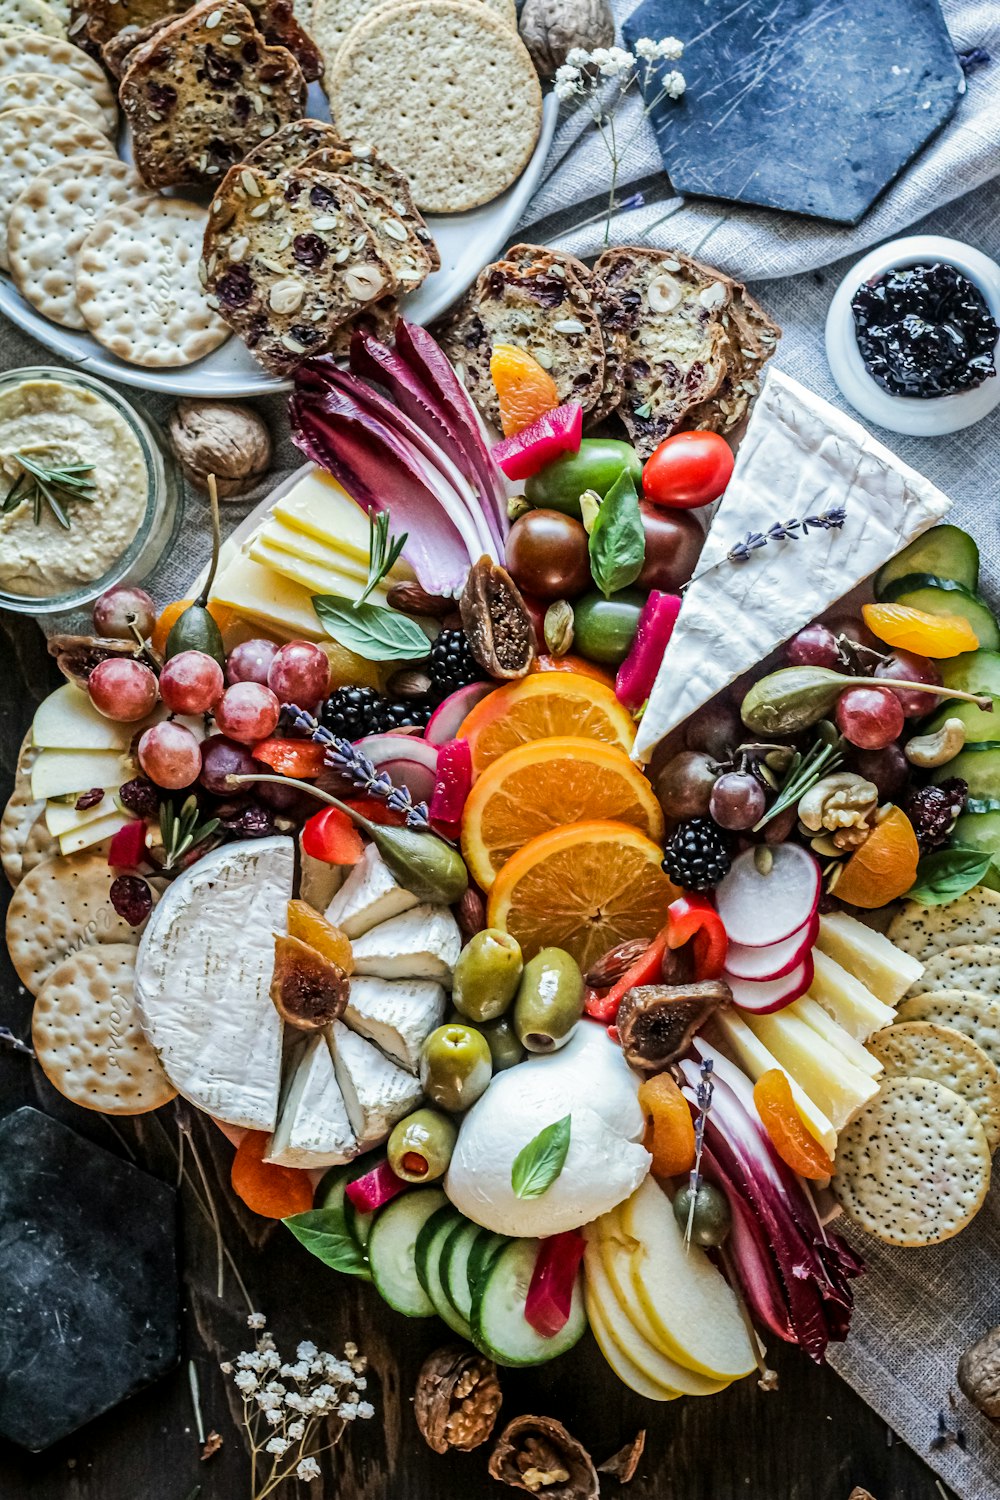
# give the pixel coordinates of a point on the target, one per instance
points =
(537, 1454)
(457, 1398)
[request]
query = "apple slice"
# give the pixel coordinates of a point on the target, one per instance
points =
(57, 773)
(67, 720)
(618, 1361)
(686, 1299)
(762, 996)
(758, 909)
(774, 961)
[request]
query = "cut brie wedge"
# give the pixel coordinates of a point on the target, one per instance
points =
(376, 1091)
(313, 1126)
(371, 894)
(398, 1015)
(800, 457)
(422, 943)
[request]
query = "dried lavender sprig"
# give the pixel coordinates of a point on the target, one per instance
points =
(703, 1097)
(781, 531)
(343, 756)
(13, 1043)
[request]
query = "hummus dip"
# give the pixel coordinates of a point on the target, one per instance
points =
(55, 422)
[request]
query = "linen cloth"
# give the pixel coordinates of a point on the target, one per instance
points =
(917, 1309)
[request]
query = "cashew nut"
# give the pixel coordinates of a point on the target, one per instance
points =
(842, 800)
(926, 750)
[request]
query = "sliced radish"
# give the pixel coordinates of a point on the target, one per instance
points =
(446, 718)
(411, 762)
(777, 959)
(762, 996)
(757, 909)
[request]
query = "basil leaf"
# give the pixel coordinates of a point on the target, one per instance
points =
(371, 631)
(948, 874)
(539, 1163)
(325, 1234)
(617, 540)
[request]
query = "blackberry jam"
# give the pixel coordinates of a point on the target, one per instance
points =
(925, 331)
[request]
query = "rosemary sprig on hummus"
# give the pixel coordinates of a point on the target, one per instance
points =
(53, 485)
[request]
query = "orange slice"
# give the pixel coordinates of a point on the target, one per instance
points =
(907, 629)
(542, 706)
(544, 784)
(884, 867)
(524, 390)
(571, 663)
(585, 888)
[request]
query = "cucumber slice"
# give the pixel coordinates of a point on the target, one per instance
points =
(982, 831)
(947, 551)
(911, 581)
(359, 1224)
(455, 1266)
(431, 1242)
(332, 1191)
(973, 672)
(482, 1255)
(979, 765)
(981, 728)
(957, 601)
(498, 1323)
(392, 1250)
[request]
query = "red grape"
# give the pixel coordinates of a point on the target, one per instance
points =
(870, 717)
(716, 729)
(299, 673)
(737, 801)
(815, 646)
(250, 661)
(121, 607)
(855, 630)
(170, 755)
(247, 712)
(905, 665)
(887, 769)
(191, 682)
(222, 757)
(122, 689)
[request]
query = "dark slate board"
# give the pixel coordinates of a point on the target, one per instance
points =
(88, 1279)
(813, 106)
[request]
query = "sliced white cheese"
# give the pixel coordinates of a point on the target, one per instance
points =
(831, 1031)
(422, 943)
(370, 894)
(67, 720)
(396, 1014)
(57, 773)
(872, 959)
(76, 839)
(277, 533)
(267, 599)
(313, 1128)
(203, 976)
(755, 1060)
(834, 1085)
(377, 1092)
(318, 576)
(800, 457)
(317, 505)
(64, 817)
(848, 1001)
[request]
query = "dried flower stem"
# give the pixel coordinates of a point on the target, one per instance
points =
(703, 1098)
(12, 1043)
(782, 531)
(345, 757)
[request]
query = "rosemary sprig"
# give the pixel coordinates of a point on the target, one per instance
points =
(782, 531)
(181, 831)
(822, 757)
(703, 1097)
(345, 757)
(383, 551)
(54, 485)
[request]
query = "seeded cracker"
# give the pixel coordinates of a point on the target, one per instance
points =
(49, 91)
(974, 1015)
(33, 15)
(448, 94)
(926, 930)
(332, 21)
(32, 139)
(87, 1036)
(137, 284)
(34, 53)
(913, 1167)
(969, 966)
(926, 1049)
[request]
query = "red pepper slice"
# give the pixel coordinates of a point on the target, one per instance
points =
(694, 919)
(300, 758)
(550, 1293)
(647, 969)
(331, 837)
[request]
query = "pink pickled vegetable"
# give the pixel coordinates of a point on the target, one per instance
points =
(375, 1188)
(452, 785)
(550, 1294)
(555, 432)
(449, 715)
(637, 672)
(127, 849)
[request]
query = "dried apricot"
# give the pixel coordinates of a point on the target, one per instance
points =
(670, 1131)
(908, 629)
(525, 391)
(884, 867)
(273, 1192)
(309, 927)
(789, 1134)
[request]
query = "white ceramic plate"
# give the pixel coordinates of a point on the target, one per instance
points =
(466, 242)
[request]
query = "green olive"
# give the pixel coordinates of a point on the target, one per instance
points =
(420, 1146)
(502, 1040)
(455, 1067)
(549, 1000)
(712, 1216)
(603, 629)
(487, 975)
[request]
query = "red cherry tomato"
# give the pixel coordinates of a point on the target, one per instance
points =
(688, 470)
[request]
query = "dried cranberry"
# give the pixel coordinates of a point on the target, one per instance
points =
(162, 96)
(221, 69)
(140, 796)
(292, 189)
(933, 809)
(90, 799)
(322, 197)
(251, 822)
(249, 52)
(309, 250)
(241, 108)
(235, 288)
(255, 330)
(132, 899)
(547, 291)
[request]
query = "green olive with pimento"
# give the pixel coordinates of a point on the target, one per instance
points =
(421, 1145)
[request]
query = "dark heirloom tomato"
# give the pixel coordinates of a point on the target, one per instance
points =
(547, 555)
(673, 545)
(688, 470)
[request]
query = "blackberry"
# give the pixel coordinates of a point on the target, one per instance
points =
(353, 712)
(696, 855)
(404, 712)
(933, 809)
(452, 664)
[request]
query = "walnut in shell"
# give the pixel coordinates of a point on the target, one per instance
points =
(537, 1454)
(457, 1398)
(979, 1374)
(550, 29)
(224, 438)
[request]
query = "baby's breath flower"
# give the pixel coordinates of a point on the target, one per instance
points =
(273, 1415)
(249, 1360)
(275, 1388)
(673, 84)
(246, 1381)
(306, 1350)
(647, 49)
(360, 1383)
(256, 1320)
(670, 48)
(278, 1445)
(296, 1430)
(270, 1359)
(268, 1402)
(348, 1410)
(576, 57)
(617, 64)
(299, 1371)
(295, 1401)
(226, 1367)
(365, 1410)
(308, 1469)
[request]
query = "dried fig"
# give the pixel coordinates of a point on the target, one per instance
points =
(537, 1454)
(496, 620)
(657, 1021)
(457, 1398)
(77, 655)
(308, 990)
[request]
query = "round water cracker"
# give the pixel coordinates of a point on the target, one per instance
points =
(913, 1167)
(137, 284)
(61, 907)
(39, 845)
(926, 930)
(926, 1049)
(30, 141)
(34, 53)
(332, 21)
(87, 1036)
(20, 813)
(969, 966)
(963, 1010)
(447, 91)
(32, 15)
(53, 91)
(50, 221)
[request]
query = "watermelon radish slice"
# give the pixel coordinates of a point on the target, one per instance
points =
(777, 959)
(762, 996)
(555, 432)
(758, 910)
(448, 716)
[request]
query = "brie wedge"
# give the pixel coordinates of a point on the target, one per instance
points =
(203, 976)
(376, 1091)
(313, 1128)
(398, 1015)
(423, 943)
(800, 457)
(370, 894)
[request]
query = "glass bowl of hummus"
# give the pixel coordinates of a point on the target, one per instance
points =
(89, 492)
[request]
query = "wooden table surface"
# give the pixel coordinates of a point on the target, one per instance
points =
(812, 1440)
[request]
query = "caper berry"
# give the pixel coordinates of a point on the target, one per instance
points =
(712, 1217)
(549, 1000)
(487, 975)
(455, 1067)
(421, 1145)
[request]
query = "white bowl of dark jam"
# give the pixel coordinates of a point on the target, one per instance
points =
(912, 336)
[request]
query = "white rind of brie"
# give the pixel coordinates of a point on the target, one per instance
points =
(398, 1015)
(371, 894)
(800, 456)
(377, 1092)
(313, 1128)
(422, 943)
(203, 977)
